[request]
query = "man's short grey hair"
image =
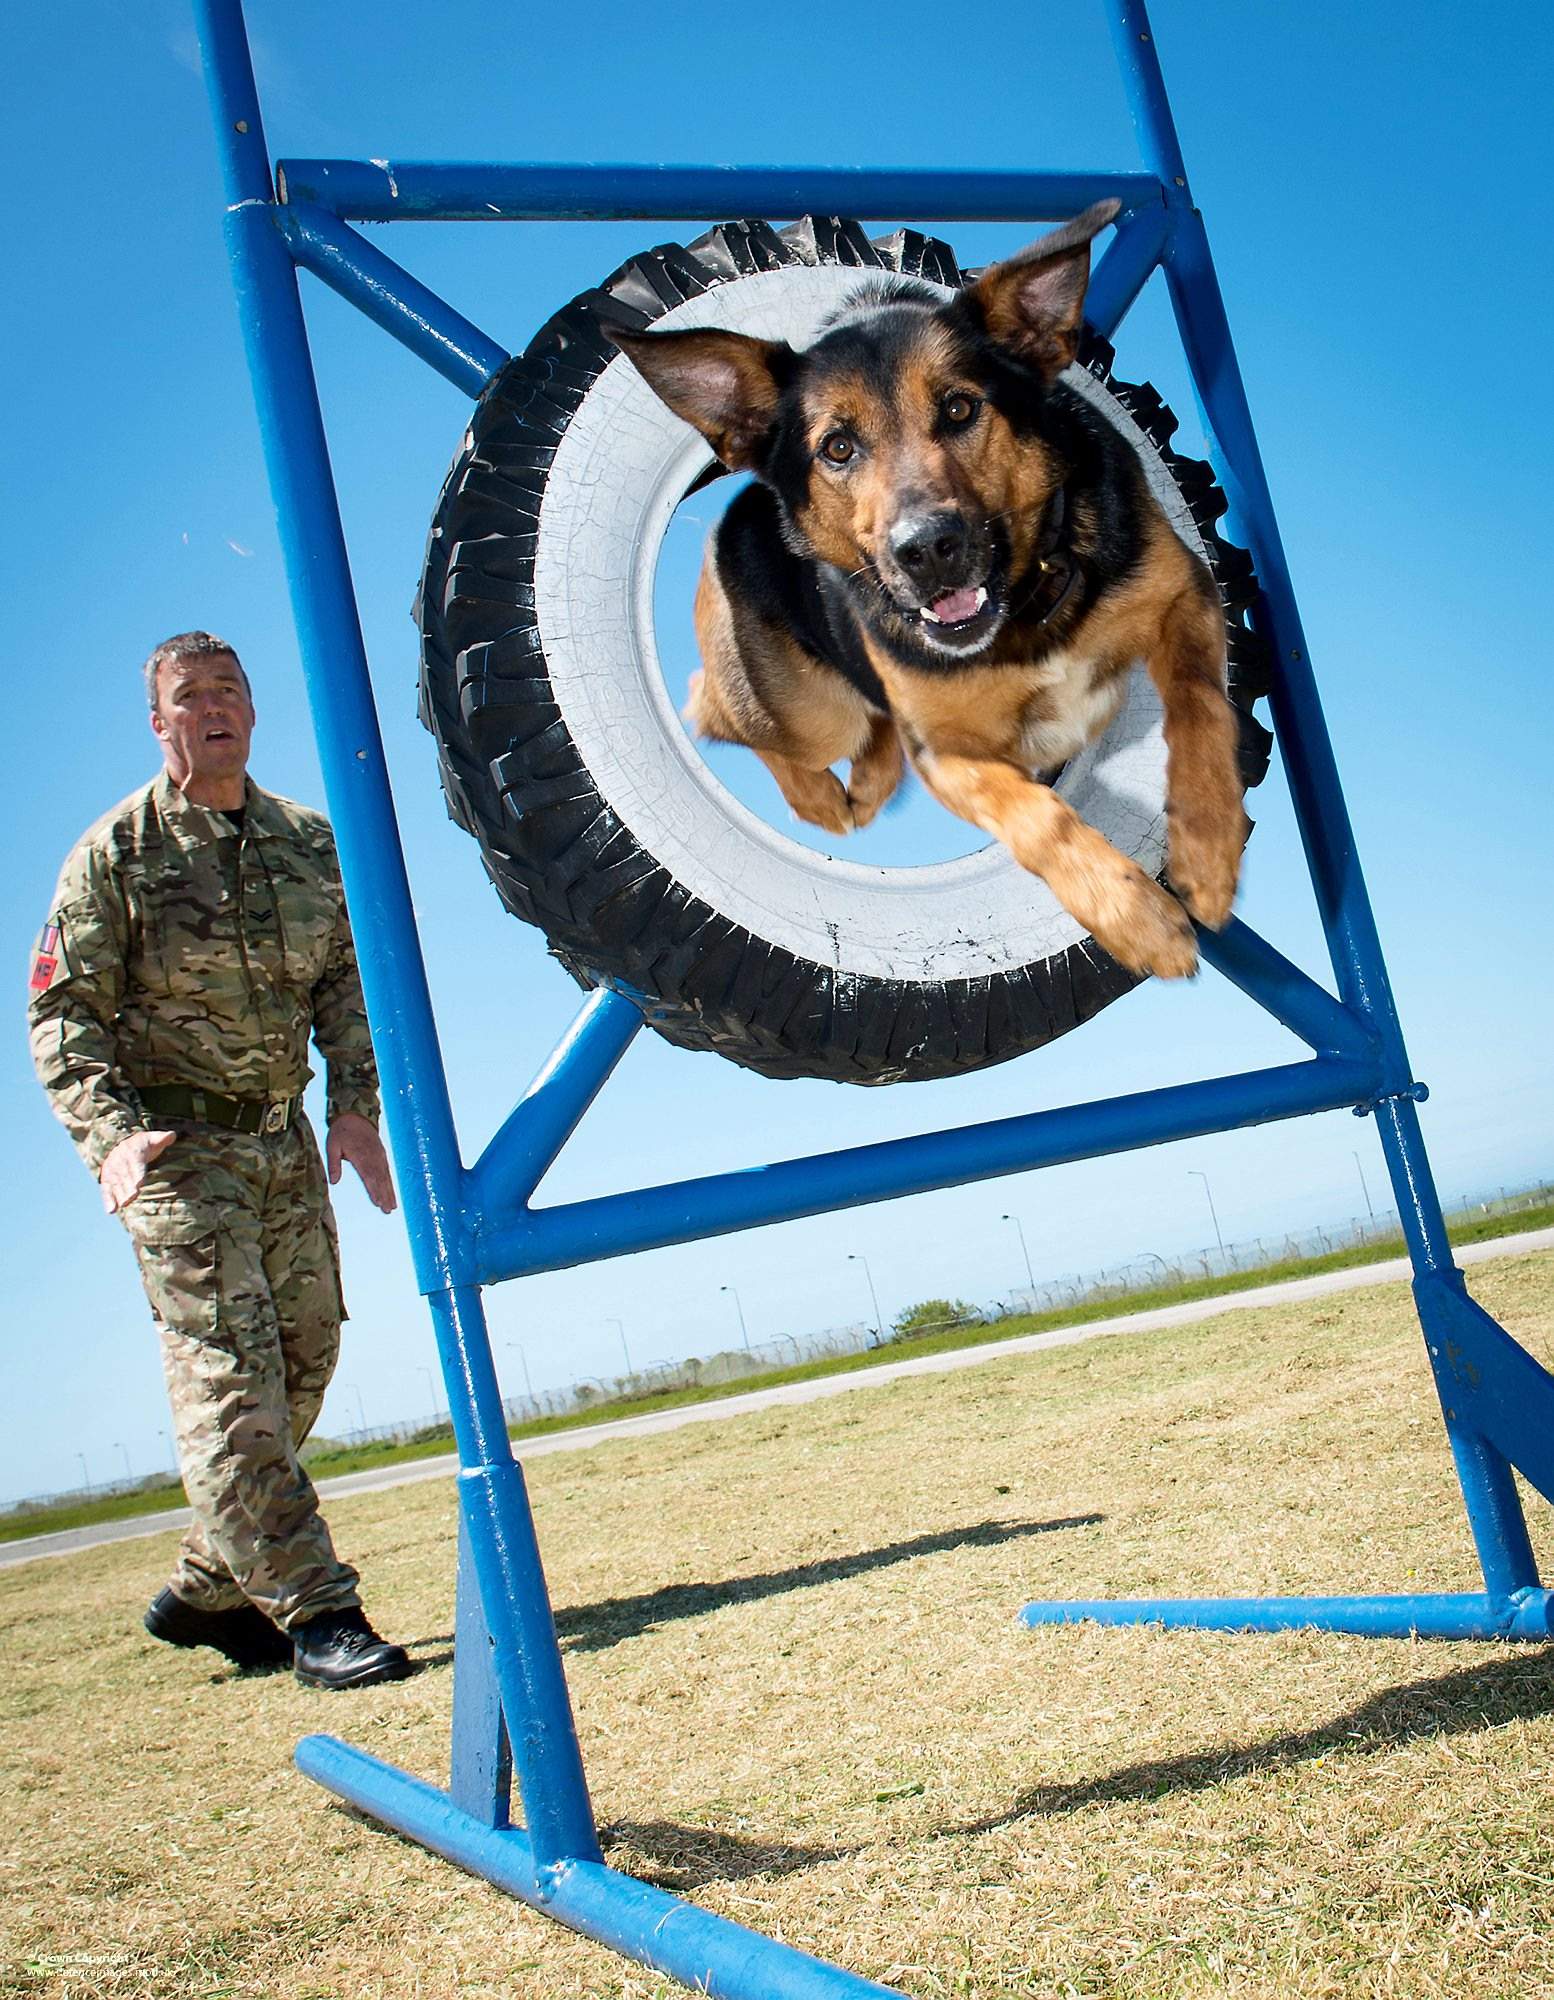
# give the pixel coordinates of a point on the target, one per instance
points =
(186, 646)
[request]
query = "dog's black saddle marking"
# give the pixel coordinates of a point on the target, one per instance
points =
(798, 596)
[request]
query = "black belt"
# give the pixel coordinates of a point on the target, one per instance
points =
(210, 1107)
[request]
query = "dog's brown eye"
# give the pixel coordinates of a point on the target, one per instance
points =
(959, 410)
(838, 447)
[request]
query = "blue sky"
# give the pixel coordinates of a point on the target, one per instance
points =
(1377, 201)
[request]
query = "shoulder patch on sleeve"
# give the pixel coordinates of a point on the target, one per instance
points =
(45, 958)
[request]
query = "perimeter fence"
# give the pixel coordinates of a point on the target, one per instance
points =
(1147, 1271)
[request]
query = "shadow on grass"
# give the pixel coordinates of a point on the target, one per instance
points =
(586, 1628)
(1456, 1704)
(686, 1858)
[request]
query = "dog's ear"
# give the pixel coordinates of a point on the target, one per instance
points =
(1034, 302)
(726, 384)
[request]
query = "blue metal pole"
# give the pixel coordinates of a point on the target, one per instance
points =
(391, 298)
(393, 974)
(480, 1756)
(536, 191)
(1354, 946)
(551, 1239)
(1297, 710)
(335, 663)
(705, 1952)
(525, 1655)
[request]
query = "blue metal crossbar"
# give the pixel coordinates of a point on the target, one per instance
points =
(472, 1226)
(550, 1239)
(451, 191)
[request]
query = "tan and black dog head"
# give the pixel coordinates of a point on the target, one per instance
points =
(916, 447)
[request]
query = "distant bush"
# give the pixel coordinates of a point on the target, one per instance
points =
(932, 1314)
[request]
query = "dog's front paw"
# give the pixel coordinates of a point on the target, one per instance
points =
(876, 774)
(1147, 931)
(868, 790)
(822, 801)
(1205, 860)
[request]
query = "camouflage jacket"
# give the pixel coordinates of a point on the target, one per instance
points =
(179, 951)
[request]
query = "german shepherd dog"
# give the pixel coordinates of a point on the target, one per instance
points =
(948, 550)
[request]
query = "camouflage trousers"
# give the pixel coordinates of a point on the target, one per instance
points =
(237, 1250)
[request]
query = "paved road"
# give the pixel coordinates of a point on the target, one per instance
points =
(71, 1541)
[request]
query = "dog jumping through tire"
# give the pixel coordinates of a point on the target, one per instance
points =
(949, 556)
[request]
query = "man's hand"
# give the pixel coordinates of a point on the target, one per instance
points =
(125, 1167)
(354, 1138)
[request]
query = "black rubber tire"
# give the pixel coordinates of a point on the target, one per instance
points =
(556, 851)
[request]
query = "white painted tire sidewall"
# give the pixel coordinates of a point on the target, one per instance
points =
(620, 470)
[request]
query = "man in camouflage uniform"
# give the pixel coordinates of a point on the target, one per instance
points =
(198, 938)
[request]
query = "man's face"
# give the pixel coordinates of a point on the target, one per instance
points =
(204, 718)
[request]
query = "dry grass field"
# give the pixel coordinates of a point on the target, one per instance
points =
(804, 1700)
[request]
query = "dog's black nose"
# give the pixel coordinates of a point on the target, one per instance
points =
(932, 549)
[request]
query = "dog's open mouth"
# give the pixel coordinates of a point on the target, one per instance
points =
(962, 619)
(956, 608)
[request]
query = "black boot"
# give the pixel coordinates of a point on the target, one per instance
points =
(244, 1636)
(340, 1649)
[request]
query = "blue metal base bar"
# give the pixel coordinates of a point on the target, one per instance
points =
(1528, 1614)
(703, 1951)
(539, 191)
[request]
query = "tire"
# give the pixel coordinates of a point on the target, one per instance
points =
(597, 818)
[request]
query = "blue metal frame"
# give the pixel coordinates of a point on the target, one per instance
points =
(473, 1226)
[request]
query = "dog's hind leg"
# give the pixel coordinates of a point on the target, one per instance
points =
(1207, 826)
(1133, 918)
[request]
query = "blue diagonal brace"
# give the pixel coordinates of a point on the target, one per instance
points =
(525, 1148)
(1132, 256)
(390, 297)
(1489, 1383)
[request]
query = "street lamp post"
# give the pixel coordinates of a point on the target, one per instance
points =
(517, 1348)
(1199, 1174)
(86, 1477)
(123, 1452)
(1024, 1252)
(350, 1389)
(431, 1390)
(744, 1331)
(856, 1257)
(625, 1349)
(1363, 1188)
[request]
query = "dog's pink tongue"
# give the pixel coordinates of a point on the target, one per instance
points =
(956, 606)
